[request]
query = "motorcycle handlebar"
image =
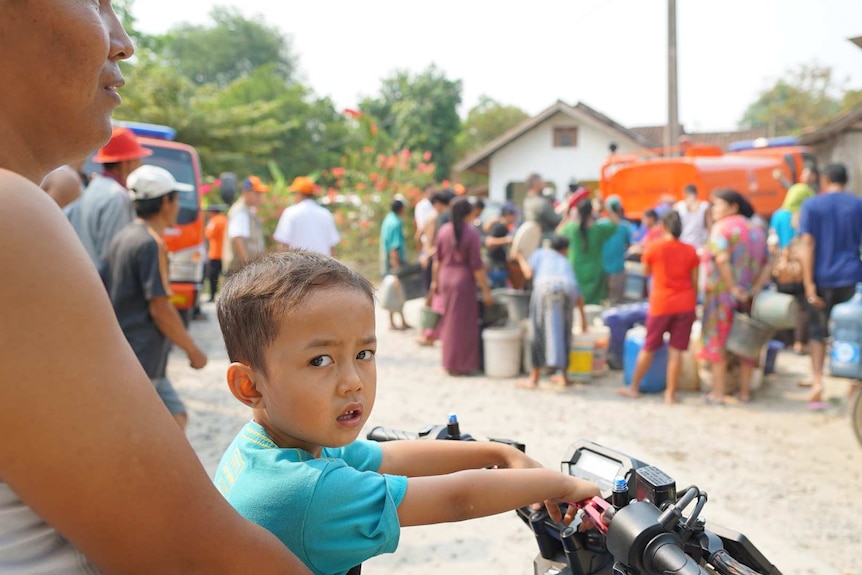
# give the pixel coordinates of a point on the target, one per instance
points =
(727, 565)
(386, 434)
(663, 555)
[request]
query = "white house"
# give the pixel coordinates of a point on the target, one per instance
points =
(563, 143)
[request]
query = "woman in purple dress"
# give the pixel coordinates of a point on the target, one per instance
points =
(457, 270)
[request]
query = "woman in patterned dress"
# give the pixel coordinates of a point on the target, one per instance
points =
(734, 263)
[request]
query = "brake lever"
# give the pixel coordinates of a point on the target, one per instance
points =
(596, 509)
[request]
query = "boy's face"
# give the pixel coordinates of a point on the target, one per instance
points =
(322, 375)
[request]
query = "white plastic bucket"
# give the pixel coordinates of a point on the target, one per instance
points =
(502, 347)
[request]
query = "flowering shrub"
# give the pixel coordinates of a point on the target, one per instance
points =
(360, 189)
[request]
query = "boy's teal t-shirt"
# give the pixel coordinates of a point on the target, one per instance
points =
(333, 512)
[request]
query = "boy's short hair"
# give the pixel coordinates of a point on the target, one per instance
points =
(258, 296)
(559, 242)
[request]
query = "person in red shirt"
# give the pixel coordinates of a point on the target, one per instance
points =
(214, 232)
(672, 301)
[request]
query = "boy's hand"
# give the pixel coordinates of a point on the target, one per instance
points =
(197, 358)
(578, 490)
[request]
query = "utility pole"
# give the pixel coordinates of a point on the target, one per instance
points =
(672, 131)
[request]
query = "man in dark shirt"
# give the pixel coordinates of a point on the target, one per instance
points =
(137, 280)
(831, 228)
(497, 243)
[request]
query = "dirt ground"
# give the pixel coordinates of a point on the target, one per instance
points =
(786, 477)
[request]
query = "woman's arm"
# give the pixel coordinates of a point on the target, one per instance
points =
(87, 444)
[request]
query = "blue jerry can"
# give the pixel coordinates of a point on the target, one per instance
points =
(846, 328)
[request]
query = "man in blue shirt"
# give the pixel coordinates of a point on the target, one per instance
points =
(831, 228)
(393, 251)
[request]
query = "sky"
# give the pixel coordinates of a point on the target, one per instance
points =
(609, 54)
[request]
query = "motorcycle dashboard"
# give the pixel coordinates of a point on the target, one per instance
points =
(599, 464)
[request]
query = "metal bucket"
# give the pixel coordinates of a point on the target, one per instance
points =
(747, 336)
(777, 310)
(428, 318)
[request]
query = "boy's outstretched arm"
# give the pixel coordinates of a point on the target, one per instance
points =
(424, 458)
(479, 493)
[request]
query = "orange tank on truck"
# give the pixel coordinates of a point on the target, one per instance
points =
(185, 241)
(759, 170)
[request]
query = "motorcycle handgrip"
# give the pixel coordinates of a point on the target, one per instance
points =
(663, 555)
(727, 565)
(379, 433)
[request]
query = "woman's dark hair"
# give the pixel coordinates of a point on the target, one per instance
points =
(585, 213)
(652, 214)
(148, 208)
(559, 242)
(396, 206)
(461, 208)
(672, 223)
(734, 198)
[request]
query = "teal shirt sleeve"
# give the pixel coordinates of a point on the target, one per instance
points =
(330, 514)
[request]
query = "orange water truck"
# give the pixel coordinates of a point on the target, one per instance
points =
(759, 169)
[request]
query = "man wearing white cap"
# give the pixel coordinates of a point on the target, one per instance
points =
(137, 279)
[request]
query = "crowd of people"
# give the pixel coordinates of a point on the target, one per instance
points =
(706, 259)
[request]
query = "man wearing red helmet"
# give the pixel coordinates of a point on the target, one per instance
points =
(105, 206)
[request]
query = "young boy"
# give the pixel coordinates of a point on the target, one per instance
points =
(300, 333)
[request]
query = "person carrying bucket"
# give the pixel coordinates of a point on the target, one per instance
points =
(555, 295)
(734, 260)
(672, 302)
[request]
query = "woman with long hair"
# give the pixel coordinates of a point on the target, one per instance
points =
(735, 264)
(94, 473)
(456, 273)
(586, 240)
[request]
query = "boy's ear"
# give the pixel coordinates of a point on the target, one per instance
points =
(241, 379)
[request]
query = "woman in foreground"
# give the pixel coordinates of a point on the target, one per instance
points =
(94, 474)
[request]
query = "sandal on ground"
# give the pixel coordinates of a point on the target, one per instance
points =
(710, 400)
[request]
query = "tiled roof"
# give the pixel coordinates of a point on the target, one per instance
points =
(578, 111)
(655, 134)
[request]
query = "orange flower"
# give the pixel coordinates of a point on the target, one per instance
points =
(373, 176)
(390, 162)
(380, 186)
(427, 156)
(338, 172)
(360, 186)
(352, 114)
(367, 149)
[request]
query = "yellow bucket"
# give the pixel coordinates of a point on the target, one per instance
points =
(581, 362)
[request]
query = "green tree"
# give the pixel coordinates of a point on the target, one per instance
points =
(240, 127)
(485, 122)
(804, 97)
(230, 49)
(420, 112)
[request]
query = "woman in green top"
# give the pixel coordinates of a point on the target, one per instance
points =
(586, 239)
